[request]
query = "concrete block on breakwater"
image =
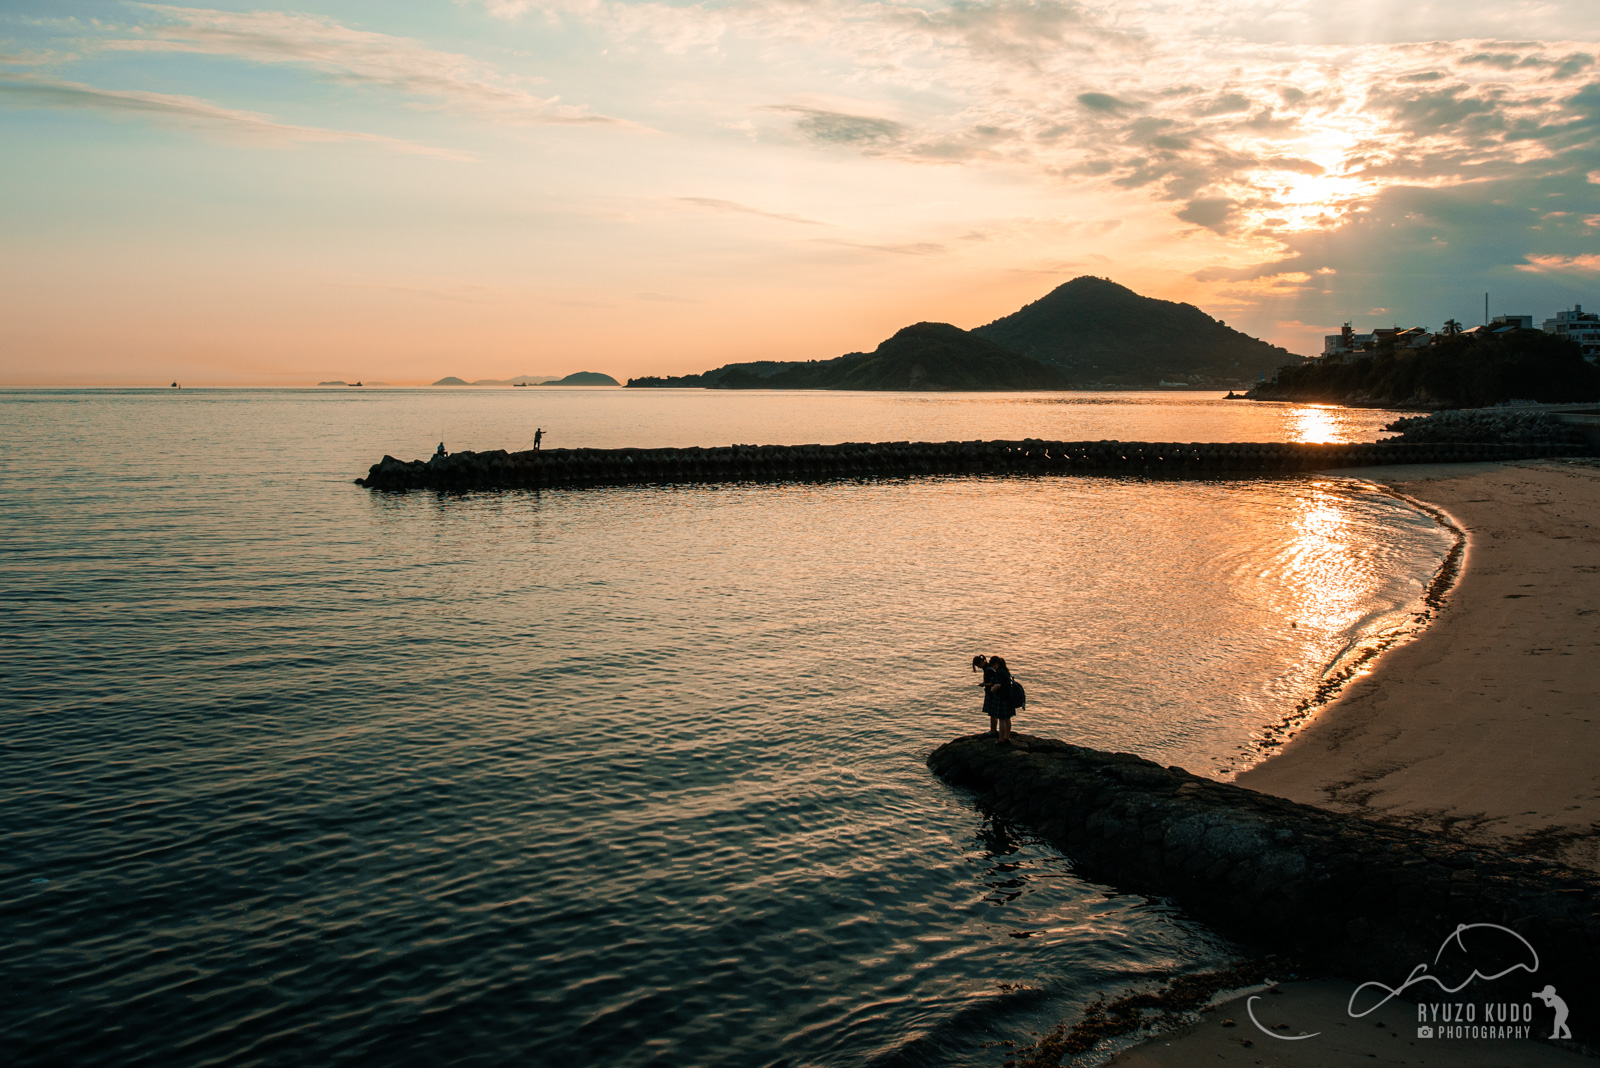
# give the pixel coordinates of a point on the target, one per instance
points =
(498, 469)
(1367, 900)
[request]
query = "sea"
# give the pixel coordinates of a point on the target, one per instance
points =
(296, 772)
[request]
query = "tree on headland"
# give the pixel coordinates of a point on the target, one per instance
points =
(1460, 371)
(1451, 328)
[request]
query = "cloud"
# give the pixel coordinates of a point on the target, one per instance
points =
(1214, 213)
(1104, 102)
(714, 204)
(837, 128)
(22, 90)
(909, 248)
(1428, 253)
(1226, 104)
(1587, 263)
(1011, 30)
(351, 57)
(35, 59)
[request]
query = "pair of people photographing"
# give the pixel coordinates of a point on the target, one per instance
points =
(1002, 695)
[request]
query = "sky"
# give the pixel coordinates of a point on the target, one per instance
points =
(407, 189)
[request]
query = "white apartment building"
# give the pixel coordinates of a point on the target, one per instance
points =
(1579, 325)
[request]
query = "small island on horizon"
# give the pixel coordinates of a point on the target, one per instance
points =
(577, 378)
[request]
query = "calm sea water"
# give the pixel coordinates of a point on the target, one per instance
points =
(300, 773)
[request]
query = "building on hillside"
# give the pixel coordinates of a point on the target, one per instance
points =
(1338, 346)
(1335, 347)
(1520, 322)
(1579, 325)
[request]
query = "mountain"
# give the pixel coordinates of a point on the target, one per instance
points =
(584, 378)
(926, 356)
(1088, 332)
(450, 380)
(930, 356)
(1100, 333)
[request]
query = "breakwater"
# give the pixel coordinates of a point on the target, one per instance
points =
(497, 468)
(1367, 900)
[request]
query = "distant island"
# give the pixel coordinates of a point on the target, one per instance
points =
(1460, 371)
(1087, 333)
(584, 378)
(579, 378)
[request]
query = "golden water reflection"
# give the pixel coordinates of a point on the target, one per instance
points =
(1326, 570)
(1315, 424)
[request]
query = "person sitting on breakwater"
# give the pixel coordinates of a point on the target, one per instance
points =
(440, 450)
(997, 697)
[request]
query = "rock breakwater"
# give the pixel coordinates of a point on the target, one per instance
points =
(498, 469)
(1367, 900)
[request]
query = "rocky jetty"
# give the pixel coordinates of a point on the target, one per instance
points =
(1514, 425)
(497, 468)
(1367, 900)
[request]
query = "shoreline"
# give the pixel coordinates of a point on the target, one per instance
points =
(1481, 729)
(1344, 671)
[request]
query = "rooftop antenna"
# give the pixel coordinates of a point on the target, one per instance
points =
(1486, 309)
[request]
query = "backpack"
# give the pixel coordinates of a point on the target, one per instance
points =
(1017, 697)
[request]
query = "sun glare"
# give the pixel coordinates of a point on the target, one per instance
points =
(1314, 424)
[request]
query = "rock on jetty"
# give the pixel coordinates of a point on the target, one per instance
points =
(1535, 425)
(1367, 900)
(498, 469)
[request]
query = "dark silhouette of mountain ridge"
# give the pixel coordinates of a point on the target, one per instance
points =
(924, 356)
(1098, 332)
(1087, 332)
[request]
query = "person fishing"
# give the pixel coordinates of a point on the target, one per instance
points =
(440, 450)
(538, 436)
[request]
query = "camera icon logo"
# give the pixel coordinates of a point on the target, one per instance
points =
(1424, 1032)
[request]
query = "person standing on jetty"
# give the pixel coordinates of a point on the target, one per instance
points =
(997, 696)
(538, 436)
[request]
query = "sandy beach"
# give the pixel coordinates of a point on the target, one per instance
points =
(1485, 727)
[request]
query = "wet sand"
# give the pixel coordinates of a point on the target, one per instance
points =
(1487, 726)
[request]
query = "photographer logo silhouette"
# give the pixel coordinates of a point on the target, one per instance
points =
(1548, 996)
